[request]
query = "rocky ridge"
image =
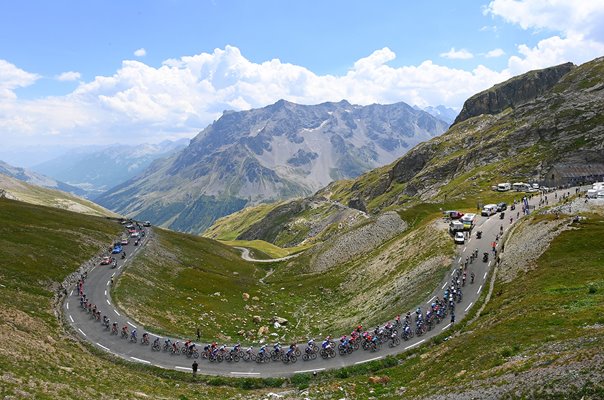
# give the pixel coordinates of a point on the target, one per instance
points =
(281, 151)
(549, 118)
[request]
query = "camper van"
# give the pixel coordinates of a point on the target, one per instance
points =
(504, 187)
(455, 226)
(468, 221)
(489, 210)
(598, 186)
(592, 193)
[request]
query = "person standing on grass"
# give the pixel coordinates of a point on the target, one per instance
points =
(195, 366)
(198, 334)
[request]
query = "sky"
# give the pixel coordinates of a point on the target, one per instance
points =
(78, 72)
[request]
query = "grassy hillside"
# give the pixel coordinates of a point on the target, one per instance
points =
(18, 190)
(233, 225)
(39, 246)
(181, 282)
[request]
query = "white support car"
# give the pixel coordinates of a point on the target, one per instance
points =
(459, 238)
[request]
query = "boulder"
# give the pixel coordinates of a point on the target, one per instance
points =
(245, 296)
(257, 319)
(280, 320)
(263, 331)
(256, 298)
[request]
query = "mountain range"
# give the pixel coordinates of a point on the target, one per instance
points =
(37, 179)
(280, 151)
(95, 169)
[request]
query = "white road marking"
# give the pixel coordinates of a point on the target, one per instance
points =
(371, 359)
(105, 293)
(100, 345)
(131, 324)
(81, 331)
(453, 272)
(309, 370)
(72, 292)
(115, 311)
(459, 261)
(92, 268)
(446, 326)
(71, 318)
(489, 264)
(245, 373)
(469, 240)
(485, 276)
(479, 289)
(430, 301)
(139, 360)
(183, 368)
(445, 285)
(67, 306)
(464, 249)
(469, 305)
(107, 283)
(415, 344)
(107, 300)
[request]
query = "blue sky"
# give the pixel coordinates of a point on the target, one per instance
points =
(70, 71)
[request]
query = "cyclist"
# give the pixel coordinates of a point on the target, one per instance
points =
(156, 342)
(125, 329)
(133, 334)
(145, 337)
(472, 277)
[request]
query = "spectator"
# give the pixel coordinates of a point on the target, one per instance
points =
(195, 366)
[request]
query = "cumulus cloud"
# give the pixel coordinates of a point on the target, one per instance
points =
(12, 77)
(140, 52)
(495, 53)
(453, 54)
(570, 17)
(68, 76)
(579, 25)
(182, 96)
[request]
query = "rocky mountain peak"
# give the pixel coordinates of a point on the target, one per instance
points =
(513, 92)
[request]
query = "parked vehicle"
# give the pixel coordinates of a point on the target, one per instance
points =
(117, 249)
(504, 187)
(592, 193)
(106, 260)
(453, 214)
(456, 226)
(468, 221)
(147, 223)
(459, 238)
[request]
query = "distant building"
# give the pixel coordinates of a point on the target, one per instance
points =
(561, 175)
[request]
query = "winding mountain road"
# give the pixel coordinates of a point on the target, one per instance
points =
(98, 284)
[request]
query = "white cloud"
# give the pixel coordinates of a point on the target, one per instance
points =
(182, 96)
(453, 54)
(569, 17)
(12, 78)
(140, 52)
(68, 76)
(495, 53)
(578, 23)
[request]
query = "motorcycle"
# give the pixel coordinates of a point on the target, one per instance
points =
(478, 234)
(502, 215)
(485, 257)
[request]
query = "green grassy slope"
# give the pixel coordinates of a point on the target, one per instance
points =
(172, 287)
(25, 192)
(39, 246)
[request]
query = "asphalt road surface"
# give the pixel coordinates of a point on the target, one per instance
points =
(98, 282)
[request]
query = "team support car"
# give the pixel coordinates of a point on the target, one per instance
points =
(147, 223)
(106, 260)
(459, 238)
(117, 249)
(502, 207)
(134, 235)
(125, 241)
